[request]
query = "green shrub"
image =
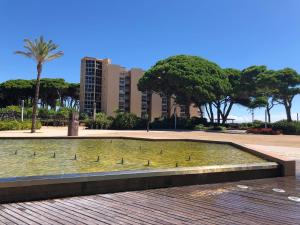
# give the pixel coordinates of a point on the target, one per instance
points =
(255, 124)
(124, 120)
(17, 125)
(83, 117)
(14, 108)
(102, 121)
(181, 123)
(287, 127)
(46, 113)
(64, 112)
(216, 128)
(200, 127)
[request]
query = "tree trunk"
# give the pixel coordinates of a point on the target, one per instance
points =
(36, 97)
(225, 116)
(268, 113)
(218, 106)
(188, 114)
(201, 112)
(287, 107)
(207, 112)
(169, 105)
(212, 119)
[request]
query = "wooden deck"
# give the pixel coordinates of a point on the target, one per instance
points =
(224, 203)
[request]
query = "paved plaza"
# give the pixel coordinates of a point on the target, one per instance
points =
(264, 201)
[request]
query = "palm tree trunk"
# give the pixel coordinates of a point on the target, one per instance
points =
(36, 97)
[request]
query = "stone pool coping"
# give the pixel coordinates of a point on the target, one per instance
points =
(128, 174)
(29, 188)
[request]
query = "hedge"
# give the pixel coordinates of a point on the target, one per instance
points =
(17, 125)
(287, 127)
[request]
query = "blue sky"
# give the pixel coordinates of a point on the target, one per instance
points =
(137, 33)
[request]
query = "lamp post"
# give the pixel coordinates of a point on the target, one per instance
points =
(148, 122)
(94, 111)
(175, 117)
(22, 110)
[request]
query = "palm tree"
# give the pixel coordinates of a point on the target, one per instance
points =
(41, 51)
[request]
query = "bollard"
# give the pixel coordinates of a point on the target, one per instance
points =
(54, 155)
(176, 165)
(75, 157)
(34, 154)
(122, 161)
(148, 164)
(189, 159)
(98, 159)
(16, 152)
(73, 124)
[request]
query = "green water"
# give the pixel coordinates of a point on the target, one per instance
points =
(17, 156)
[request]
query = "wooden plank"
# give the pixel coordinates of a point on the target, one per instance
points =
(109, 216)
(29, 215)
(67, 215)
(38, 211)
(150, 217)
(199, 204)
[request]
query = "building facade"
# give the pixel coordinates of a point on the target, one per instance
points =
(105, 87)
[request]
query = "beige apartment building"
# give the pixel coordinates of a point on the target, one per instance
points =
(105, 87)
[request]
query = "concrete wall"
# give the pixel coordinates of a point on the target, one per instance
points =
(110, 88)
(135, 94)
(155, 106)
(194, 111)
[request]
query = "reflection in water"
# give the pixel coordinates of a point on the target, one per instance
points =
(56, 156)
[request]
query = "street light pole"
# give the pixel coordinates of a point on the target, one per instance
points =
(148, 122)
(175, 118)
(22, 110)
(94, 111)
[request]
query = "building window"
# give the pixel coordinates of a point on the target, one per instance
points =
(145, 106)
(164, 106)
(124, 92)
(183, 110)
(92, 89)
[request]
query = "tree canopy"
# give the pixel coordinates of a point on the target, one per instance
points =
(54, 92)
(192, 79)
(282, 86)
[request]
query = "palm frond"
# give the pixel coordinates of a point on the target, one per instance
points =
(40, 50)
(54, 56)
(27, 54)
